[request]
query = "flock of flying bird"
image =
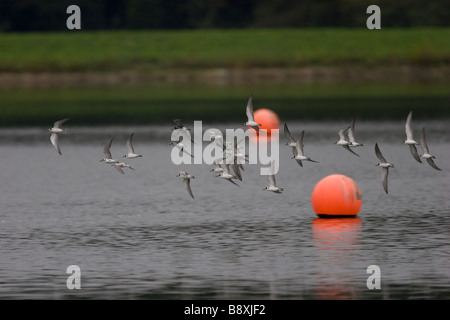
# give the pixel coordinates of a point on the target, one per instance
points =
(223, 168)
(351, 142)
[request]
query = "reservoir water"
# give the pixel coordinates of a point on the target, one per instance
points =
(140, 235)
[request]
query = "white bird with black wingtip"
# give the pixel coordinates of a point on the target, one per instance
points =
(344, 143)
(250, 117)
(187, 181)
(107, 152)
(226, 175)
(120, 165)
(299, 155)
(410, 139)
(272, 181)
(426, 153)
(291, 140)
(385, 165)
(180, 126)
(351, 136)
(55, 131)
(181, 147)
(131, 154)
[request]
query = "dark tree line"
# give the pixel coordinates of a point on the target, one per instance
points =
(45, 15)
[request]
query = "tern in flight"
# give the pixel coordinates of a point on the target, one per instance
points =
(131, 154)
(344, 143)
(351, 136)
(217, 167)
(409, 138)
(385, 165)
(299, 155)
(426, 154)
(180, 146)
(292, 142)
(180, 126)
(120, 165)
(250, 117)
(225, 174)
(187, 181)
(272, 182)
(107, 152)
(55, 131)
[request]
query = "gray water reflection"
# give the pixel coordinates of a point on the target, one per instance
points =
(140, 236)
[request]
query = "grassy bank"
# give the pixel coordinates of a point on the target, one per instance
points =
(101, 74)
(144, 51)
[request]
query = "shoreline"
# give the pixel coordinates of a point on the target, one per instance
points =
(227, 76)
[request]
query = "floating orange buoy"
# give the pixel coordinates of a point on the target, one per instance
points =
(336, 195)
(268, 119)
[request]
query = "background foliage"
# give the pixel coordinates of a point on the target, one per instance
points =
(45, 15)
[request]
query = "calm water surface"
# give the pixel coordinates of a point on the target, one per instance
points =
(140, 236)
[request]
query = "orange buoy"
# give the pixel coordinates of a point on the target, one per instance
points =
(335, 196)
(268, 119)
